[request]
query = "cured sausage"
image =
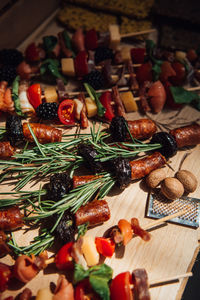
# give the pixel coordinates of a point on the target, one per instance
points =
(141, 286)
(80, 180)
(117, 99)
(142, 167)
(44, 133)
(6, 150)
(187, 135)
(24, 268)
(94, 212)
(11, 218)
(139, 129)
(4, 249)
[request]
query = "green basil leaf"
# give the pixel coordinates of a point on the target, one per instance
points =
(51, 66)
(80, 273)
(49, 43)
(15, 96)
(93, 95)
(99, 279)
(156, 71)
(181, 95)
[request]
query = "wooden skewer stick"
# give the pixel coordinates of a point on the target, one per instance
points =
(195, 88)
(157, 282)
(131, 34)
(162, 220)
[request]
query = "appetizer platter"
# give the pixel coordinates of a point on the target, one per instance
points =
(82, 150)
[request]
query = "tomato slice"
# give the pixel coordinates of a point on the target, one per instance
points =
(126, 230)
(66, 112)
(34, 93)
(120, 287)
(63, 259)
(105, 246)
(91, 39)
(105, 100)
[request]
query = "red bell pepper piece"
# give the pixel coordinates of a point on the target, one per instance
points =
(137, 55)
(144, 73)
(81, 64)
(170, 100)
(63, 259)
(66, 112)
(105, 246)
(91, 39)
(105, 100)
(34, 93)
(120, 287)
(32, 53)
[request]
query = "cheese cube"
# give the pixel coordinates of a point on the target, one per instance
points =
(91, 107)
(44, 293)
(90, 251)
(128, 101)
(126, 54)
(50, 94)
(67, 66)
(114, 36)
(180, 55)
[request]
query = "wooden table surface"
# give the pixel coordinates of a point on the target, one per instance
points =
(172, 248)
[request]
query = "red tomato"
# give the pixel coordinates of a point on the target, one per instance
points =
(91, 39)
(180, 76)
(34, 93)
(81, 64)
(170, 100)
(32, 53)
(120, 287)
(126, 230)
(105, 100)
(83, 289)
(105, 246)
(144, 73)
(137, 55)
(63, 259)
(66, 112)
(166, 71)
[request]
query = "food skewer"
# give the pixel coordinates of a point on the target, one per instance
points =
(167, 280)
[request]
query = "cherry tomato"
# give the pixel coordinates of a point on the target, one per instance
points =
(126, 230)
(32, 53)
(105, 246)
(63, 259)
(170, 100)
(105, 100)
(166, 71)
(144, 73)
(81, 64)
(34, 93)
(66, 112)
(137, 55)
(180, 76)
(120, 287)
(84, 291)
(91, 39)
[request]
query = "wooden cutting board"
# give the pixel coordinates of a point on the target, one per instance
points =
(172, 248)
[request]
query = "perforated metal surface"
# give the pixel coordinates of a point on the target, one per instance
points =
(159, 207)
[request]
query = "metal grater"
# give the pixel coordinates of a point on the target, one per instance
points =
(159, 206)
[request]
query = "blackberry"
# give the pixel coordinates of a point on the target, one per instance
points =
(14, 129)
(65, 229)
(168, 142)
(103, 53)
(60, 184)
(95, 79)
(11, 57)
(47, 111)
(122, 170)
(7, 73)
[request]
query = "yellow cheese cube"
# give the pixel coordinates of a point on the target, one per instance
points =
(114, 36)
(128, 101)
(180, 55)
(125, 53)
(67, 66)
(91, 107)
(90, 251)
(44, 293)
(50, 94)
